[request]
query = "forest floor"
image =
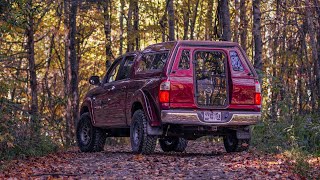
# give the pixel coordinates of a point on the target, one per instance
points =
(202, 160)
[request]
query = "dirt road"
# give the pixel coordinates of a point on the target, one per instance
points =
(202, 160)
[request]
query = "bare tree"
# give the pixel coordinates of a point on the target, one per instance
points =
(130, 43)
(32, 70)
(317, 5)
(209, 22)
(257, 36)
(194, 18)
(171, 20)
(121, 26)
(225, 19)
(71, 68)
(313, 43)
(243, 24)
(136, 25)
(107, 28)
(236, 21)
(186, 17)
(274, 60)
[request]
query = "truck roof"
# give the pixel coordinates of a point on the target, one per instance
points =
(171, 44)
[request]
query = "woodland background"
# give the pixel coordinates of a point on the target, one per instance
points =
(49, 49)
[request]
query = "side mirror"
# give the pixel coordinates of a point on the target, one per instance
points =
(108, 65)
(94, 80)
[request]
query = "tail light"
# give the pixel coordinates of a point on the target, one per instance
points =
(257, 94)
(164, 92)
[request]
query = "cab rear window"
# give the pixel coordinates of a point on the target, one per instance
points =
(235, 61)
(150, 62)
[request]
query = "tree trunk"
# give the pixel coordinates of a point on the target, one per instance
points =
(71, 69)
(209, 24)
(186, 17)
(121, 26)
(35, 124)
(300, 73)
(284, 57)
(130, 44)
(217, 22)
(136, 25)
(225, 19)
(67, 75)
(317, 5)
(107, 28)
(163, 22)
(236, 21)
(257, 37)
(171, 20)
(314, 50)
(243, 24)
(193, 20)
(274, 91)
(311, 98)
(45, 79)
(74, 66)
(17, 74)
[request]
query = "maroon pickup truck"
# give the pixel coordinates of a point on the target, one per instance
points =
(174, 92)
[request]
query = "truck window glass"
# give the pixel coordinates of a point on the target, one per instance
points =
(210, 78)
(114, 73)
(152, 62)
(126, 69)
(235, 61)
(184, 62)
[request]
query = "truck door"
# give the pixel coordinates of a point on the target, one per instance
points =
(101, 102)
(116, 105)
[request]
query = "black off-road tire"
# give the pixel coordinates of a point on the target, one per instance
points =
(173, 144)
(233, 144)
(89, 138)
(181, 145)
(141, 142)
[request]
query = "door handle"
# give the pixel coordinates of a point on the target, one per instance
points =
(124, 87)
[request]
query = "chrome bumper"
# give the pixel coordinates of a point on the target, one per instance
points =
(228, 118)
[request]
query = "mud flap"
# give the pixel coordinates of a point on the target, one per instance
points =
(154, 131)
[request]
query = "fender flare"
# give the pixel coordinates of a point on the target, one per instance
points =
(154, 126)
(87, 106)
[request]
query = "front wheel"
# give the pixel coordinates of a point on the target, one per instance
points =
(141, 142)
(173, 144)
(89, 138)
(233, 144)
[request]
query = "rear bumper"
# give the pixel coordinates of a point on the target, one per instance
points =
(228, 118)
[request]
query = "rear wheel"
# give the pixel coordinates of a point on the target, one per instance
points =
(233, 144)
(141, 142)
(89, 138)
(173, 144)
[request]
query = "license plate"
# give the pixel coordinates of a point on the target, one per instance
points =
(212, 116)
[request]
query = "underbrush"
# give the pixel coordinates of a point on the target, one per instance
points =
(16, 140)
(298, 138)
(300, 133)
(39, 147)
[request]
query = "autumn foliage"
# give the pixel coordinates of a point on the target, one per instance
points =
(49, 49)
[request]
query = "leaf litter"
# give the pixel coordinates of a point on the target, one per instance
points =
(202, 160)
